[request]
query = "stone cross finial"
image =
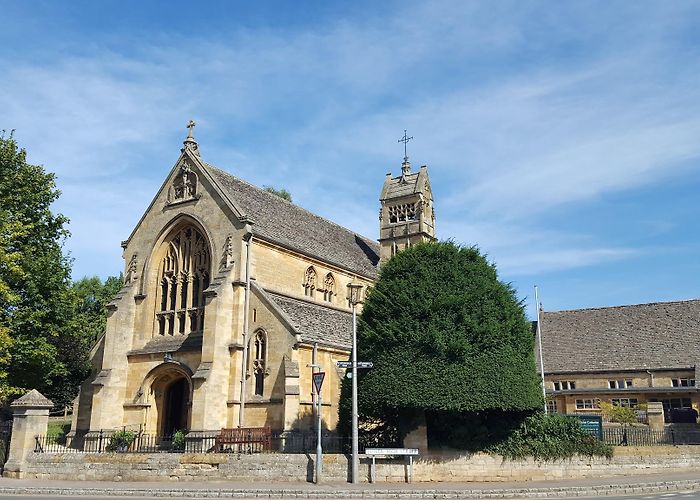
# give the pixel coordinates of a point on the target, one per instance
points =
(190, 125)
(190, 143)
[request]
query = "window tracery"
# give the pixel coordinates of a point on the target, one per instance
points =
(183, 279)
(259, 361)
(328, 288)
(402, 213)
(310, 282)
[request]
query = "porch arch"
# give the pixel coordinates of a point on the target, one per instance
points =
(169, 387)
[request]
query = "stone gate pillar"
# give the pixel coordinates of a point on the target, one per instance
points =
(655, 414)
(30, 418)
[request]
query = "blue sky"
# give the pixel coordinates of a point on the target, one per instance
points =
(563, 138)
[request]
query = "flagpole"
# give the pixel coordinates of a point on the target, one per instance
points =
(539, 345)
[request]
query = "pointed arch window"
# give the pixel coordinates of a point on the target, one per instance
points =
(310, 281)
(183, 278)
(259, 361)
(328, 288)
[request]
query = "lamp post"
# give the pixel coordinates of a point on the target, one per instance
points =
(355, 293)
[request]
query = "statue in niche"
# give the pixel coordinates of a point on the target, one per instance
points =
(131, 270)
(185, 184)
(227, 258)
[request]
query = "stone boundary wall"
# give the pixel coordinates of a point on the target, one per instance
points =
(445, 466)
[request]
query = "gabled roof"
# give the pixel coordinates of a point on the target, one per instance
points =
(315, 322)
(636, 337)
(278, 221)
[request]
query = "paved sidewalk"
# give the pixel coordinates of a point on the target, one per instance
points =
(630, 485)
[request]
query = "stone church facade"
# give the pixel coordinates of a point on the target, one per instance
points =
(230, 295)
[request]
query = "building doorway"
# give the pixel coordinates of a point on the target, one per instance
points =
(175, 407)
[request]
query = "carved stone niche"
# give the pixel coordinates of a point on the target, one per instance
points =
(185, 186)
(131, 270)
(227, 254)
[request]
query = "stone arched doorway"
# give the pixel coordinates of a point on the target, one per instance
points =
(171, 389)
(175, 407)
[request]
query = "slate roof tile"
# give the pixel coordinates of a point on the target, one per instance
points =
(401, 186)
(634, 337)
(277, 220)
(171, 343)
(315, 322)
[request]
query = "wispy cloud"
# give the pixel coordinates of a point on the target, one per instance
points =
(520, 111)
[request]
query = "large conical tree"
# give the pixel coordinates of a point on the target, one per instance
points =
(447, 338)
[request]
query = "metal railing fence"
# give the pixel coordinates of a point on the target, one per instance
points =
(197, 442)
(644, 436)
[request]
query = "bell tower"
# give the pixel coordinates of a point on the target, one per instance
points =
(406, 216)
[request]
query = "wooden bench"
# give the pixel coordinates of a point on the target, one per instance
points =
(248, 439)
(388, 453)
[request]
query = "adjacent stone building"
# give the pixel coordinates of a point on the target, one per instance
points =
(230, 294)
(626, 355)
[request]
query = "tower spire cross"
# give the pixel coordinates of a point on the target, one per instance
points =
(405, 140)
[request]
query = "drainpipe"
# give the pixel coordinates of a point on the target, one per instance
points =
(651, 376)
(246, 305)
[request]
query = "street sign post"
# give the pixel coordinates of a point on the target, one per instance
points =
(318, 381)
(360, 364)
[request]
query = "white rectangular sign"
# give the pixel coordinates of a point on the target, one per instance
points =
(391, 451)
(360, 364)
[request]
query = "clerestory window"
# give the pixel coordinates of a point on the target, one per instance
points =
(183, 278)
(310, 282)
(328, 288)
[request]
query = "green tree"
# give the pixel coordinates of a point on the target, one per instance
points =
(282, 193)
(449, 340)
(92, 296)
(86, 317)
(47, 323)
(34, 274)
(620, 414)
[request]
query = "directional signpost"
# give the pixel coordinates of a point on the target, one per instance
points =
(360, 364)
(318, 383)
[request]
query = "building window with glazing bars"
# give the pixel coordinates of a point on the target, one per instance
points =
(552, 406)
(587, 404)
(625, 402)
(683, 382)
(619, 384)
(564, 385)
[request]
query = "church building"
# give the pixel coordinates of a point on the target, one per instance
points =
(231, 296)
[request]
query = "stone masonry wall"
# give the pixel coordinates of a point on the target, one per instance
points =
(446, 466)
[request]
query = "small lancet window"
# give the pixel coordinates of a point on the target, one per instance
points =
(259, 361)
(309, 282)
(328, 288)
